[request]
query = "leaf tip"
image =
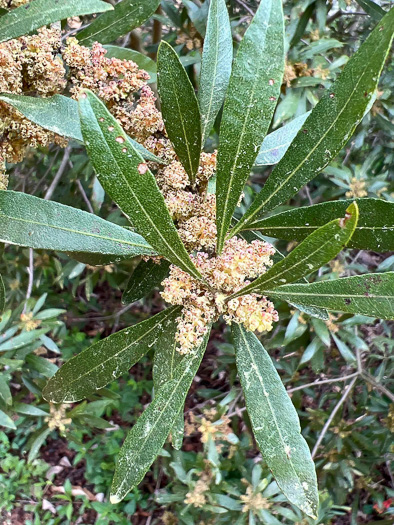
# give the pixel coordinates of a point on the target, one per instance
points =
(351, 212)
(114, 499)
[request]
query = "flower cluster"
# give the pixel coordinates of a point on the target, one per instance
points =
(39, 65)
(224, 274)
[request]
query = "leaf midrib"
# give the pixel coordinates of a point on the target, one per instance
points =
(262, 227)
(213, 78)
(157, 421)
(222, 233)
(142, 208)
(69, 230)
(256, 370)
(92, 35)
(280, 186)
(250, 288)
(114, 356)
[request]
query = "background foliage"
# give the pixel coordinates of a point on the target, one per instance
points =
(57, 464)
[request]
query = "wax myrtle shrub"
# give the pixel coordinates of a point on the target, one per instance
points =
(182, 203)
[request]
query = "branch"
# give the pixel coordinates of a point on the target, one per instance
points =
(333, 414)
(59, 174)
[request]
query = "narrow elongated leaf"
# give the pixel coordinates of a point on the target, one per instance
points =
(127, 15)
(217, 59)
(2, 295)
(316, 250)
(29, 221)
(5, 392)
(106, 360)
(6, 421)
(142, 61)
(275, 422)
(148, 435)
(249, 106)
(145, 277)
(329, 126)
(166, 359)
(277, 143)
(126, 178)
(180, 109)
(369, 294)
(27, 18)
(374, 230)
(60, 115)
(372, 9)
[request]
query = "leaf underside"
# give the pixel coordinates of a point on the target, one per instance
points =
(275, 422)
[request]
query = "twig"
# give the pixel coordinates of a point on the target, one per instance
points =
(84, 196)
(245, 6)
(59, 174)
(325, 381)
(378, 386)
(104, 317)
(30, 271)
(332, 415)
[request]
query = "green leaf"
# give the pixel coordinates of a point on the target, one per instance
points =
(5, 392)
(147, 437)
(372, 9)
(217, 59)
(180, 109)
(142, 61)
(60, 115)
(369, 294)
(277, 143)
(374, 230)
(127, 15)
(249, 106)
(29, 410)
(6, 421)
(145, 277)
(29, 221)
(106, 360)
(2, 295)
(329, 126)
(166, 360)
(275, 422)
(38, 441)
(27, 18)
(128, 181)
(316, 250)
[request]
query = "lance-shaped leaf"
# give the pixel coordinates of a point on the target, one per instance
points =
(145, 277)
(374, 230)
(316, 250)
(106, 360)
(275, 422)
(369, 294)
(166, 360)
(277, 143)
(372, 9)
(329, 126)
(142, 61)
(124, 176)
(147, 437)
(217, 59)
(27, 18)
(127, 15)
(60, 115)
(2, 295)
(180, 109)
(249, 106)
(29, 221)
